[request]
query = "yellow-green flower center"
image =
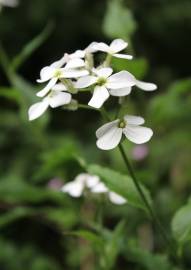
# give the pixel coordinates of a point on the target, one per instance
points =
(101, 81)
(57, 73)
(122, 124)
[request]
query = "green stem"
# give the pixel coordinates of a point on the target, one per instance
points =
(153, 215)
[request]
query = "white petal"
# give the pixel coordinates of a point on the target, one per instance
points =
(74, 189)
(46, 74)
(123, 56)
(81, 178)
(37, 109)
(146, 86)
(92, 180)
(120, 92)
(47, 88)
(59, 98)
(85, 81)
(118, 45)
(103, 129)
(121, 79)
(74, 73)
(91, 48)
(77, 54)
(103, 72)
(110, 139)
(59, 63)
(100, 46)
(138, 134)
(75, 63)
(134, 120)
(59, 87)
(116, 199)
(100, 95)
(99, 188)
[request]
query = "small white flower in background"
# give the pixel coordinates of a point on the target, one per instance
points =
(8, 3)
(58, 96)
(106, 84)
(116, 199)
(113, 49)
(55, 71)
(92, 182)
(75, 188)
(110, 134)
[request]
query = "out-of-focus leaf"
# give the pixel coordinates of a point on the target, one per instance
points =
(138, 67)
(172, 106)
(11, 94)
(181, 224)
(62, 217)
(30, 47)
(113, 245)
(118, 21)
(14, 214)
(19, 192)
(145, 259)
(59, 159)
(95, 239)
(121, 184)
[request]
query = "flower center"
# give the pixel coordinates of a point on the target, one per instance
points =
(101, 81)
(57, 73)
(122, 124)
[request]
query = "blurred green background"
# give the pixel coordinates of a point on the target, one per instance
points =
(43, 229)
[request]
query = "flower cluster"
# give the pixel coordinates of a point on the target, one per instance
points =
(8, 3)
(93, 184)
(76, 72)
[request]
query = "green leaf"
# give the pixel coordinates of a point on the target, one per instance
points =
(138, 67)
(11, 94)
(118, 21)
(145, 259)
(121, 184)
(30, 47)
(14, 214)
(15, 191)
(62, 217)
(113, 245)
(181, 224)
(95, 239)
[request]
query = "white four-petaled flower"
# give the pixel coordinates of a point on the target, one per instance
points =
(106, 84)
(93, 184)
(113, 49)
(58, 96)
(55, 71)
(110, 134)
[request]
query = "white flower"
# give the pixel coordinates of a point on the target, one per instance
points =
(116, 198)
(8, 3)
(55, 98)
(80, 54)
(75, 188)
(55, 72)
(113, 49)
(118, 84)
(110, 134)
(92, 182)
